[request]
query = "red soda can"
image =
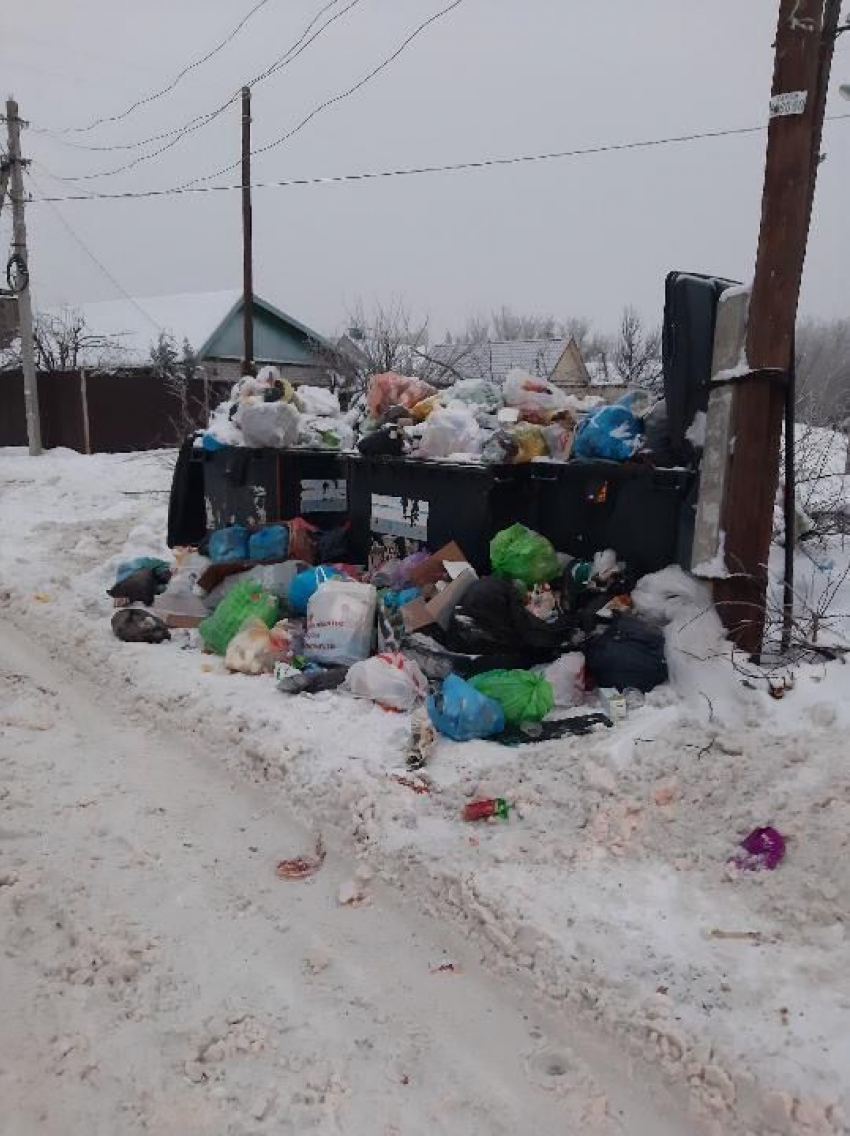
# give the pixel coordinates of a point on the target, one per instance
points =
(483, 810)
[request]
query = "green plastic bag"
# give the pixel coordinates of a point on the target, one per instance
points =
(243, 601)
(524, 555)
(523, 696)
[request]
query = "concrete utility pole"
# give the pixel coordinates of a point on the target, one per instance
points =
(21, 265)
(796, 115)
(247, 236)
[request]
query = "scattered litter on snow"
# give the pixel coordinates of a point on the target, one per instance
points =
(301, 867)
(649, 903)
(763, 848)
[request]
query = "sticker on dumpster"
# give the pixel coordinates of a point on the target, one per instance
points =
(791, 102)
(399, 516)
(320, 495)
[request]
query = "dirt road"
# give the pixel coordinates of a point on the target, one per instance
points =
(158, 977)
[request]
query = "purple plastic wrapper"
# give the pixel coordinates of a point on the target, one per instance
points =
(763, 848)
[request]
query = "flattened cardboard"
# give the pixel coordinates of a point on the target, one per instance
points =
(434, 567)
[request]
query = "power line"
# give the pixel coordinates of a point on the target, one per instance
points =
(202, 120)
(79, 240)
(416, 171)
(170, 86)
(336, 98)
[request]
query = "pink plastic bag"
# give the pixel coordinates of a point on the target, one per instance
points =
(763, 848)
(390, 389)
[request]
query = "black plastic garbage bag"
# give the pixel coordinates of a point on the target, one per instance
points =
(437, 662)
(141, 586)
(313, 680)
(386, 442)
(493, 618)
(334, 545)
(629, 653)
(135, 625)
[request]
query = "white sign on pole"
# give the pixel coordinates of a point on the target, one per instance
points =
(791, 102)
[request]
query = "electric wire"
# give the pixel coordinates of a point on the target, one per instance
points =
(386, 62)
(170, 86)
(203, 120)
(416, 171)
(95, 260)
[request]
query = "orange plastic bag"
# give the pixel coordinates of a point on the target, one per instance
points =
(390, 389)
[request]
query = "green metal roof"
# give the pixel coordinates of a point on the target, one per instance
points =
(278, 338)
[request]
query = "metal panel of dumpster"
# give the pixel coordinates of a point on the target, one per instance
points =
(313, 484)
(644, 514)
(245, 486)
(690, 314)
(240, 487)
(418, 503)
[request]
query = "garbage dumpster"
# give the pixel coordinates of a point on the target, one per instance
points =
(243, 485)
(426, 503)
(639, 511)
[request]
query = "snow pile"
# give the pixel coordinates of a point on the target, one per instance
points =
(610, 886)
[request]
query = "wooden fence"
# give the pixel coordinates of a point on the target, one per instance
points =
(95, 412)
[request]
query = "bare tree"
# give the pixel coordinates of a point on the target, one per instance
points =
(507, 324)
(64, 342)
(389, 338)
(823, 371)
(176, 366)
(635, 357)
(476, 330)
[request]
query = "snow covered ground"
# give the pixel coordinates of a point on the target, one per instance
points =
(608, 892)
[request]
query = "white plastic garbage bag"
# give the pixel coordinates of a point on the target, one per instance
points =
(477, 393)
(341, 622)
(325, 433)
(536, 399)
(318, 401)
(566, 677)
(256, 648)
(389, 679)
(451, 430)
(273, 424)
(222, 428)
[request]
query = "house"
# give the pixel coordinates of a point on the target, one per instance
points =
(559, 361)
(121, 333)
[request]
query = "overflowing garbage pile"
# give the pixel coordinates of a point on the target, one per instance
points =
(524, 419)
(268, 411)
(544, 646)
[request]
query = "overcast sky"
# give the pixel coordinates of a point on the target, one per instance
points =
(577, 236)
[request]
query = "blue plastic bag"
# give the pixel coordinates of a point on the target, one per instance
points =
(128, 567)
(461, 713)
(271, 543)
(396, 598)
(227, 545)
(305, 584)
(612, 432)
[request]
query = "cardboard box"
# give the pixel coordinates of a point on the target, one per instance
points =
(434, 568)
(420, 613)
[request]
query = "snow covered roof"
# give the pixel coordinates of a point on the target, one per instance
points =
(134, 325)
(493, 360)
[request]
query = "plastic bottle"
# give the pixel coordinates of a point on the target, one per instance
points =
(483, 810)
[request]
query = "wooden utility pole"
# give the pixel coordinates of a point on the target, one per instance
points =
(829, 34)
(247, 237)
(20, 265)
(796, 115)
